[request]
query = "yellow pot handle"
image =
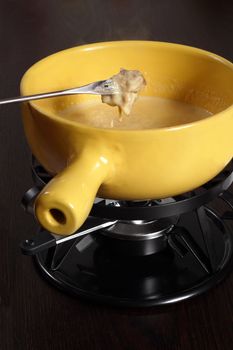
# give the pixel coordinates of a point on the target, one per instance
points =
(65, 202)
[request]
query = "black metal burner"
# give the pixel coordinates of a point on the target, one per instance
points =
(153, 252)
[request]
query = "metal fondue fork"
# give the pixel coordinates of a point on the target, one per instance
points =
(45, 240)
(101, 87)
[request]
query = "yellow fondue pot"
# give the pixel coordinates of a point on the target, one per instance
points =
(126, 164)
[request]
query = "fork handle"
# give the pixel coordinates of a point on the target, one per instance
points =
(36, 97)
(96, 88)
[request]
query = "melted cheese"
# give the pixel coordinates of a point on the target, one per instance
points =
(147, 113)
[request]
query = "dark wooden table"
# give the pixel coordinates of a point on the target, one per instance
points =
(33, 315)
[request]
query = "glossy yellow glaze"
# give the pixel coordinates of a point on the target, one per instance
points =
(126, 164)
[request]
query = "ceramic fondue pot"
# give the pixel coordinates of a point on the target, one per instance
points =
(126, 164)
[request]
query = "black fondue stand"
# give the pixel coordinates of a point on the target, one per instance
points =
(153, 252)
(190, 255)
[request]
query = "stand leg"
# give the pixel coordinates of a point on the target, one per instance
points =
(187, 243)
(207, 236)
(227, 197)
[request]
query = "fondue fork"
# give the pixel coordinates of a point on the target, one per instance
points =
(45, 240)
(101, 87)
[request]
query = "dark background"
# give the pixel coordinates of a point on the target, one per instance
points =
(33, 315)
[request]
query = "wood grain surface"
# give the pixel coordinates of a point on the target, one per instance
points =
(34, 315)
